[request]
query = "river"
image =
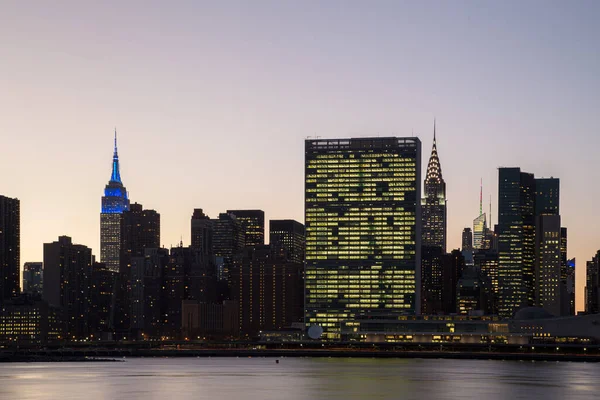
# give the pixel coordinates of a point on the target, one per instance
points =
(298, 378)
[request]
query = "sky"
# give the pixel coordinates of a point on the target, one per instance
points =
(212, 102)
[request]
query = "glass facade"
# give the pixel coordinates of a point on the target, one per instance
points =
(516, 242)
(33, 277)
(288, 236)
(362, 231)
(479, 231)
(548, 264)
(253, 225)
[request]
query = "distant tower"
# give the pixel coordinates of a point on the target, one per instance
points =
(253, 225)
(433, 205)
(516, 240)
(10, 242)
(114, 202)
(467, 239)
(433, 234)
(479, 224)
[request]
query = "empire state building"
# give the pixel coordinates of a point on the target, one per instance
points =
(114, 202)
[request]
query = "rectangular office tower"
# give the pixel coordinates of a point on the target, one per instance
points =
(67, 274)
(363, 239)
(287, 236)
(253, 224)
(516, 243)
(10, 242)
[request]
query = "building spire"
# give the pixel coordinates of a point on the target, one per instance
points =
(116, 176)
(434, 168)
(490, 211)
(481, 197)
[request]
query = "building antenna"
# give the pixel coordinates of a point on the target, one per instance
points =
(481, 197)
(490, 211)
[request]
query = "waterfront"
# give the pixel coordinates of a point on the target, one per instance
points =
(299, 378)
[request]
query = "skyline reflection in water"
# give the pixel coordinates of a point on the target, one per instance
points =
(298, 378)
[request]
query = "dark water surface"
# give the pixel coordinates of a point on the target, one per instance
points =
(299, 378)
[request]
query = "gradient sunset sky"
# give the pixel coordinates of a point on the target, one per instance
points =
(213, 100)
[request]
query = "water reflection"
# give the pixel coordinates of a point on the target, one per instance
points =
(262, 378)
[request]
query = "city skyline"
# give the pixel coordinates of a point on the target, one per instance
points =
(176, 127)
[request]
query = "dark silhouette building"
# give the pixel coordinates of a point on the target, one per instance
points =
(29, 320)
(152, 322)
(592, 285)
(471, 293)
(202, 232)
(453, 265)
(67, 284)
(550, 248)
(516, 242)
(140, 230)
(114, 202)
(467, 239)
(268, 289)
(432, 280)
(485, 262)
(253, 225)
(570, 284)
(288, 237)
(102, 292)
(33, 277)
(10, 247)
(210, 320)
(363, 229)
(228, 240)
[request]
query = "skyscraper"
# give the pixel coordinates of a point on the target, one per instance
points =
(432, 280)
(453, 265)
(253, 225)
(228, 240)
(102, 289)
(268, 289)
(140, 230)
(33, 277)
(485, 261)
(288, 236)
(67, 278)
(433, 205)
(570, 283)
(467, 239)
(516, 241)
(550, 288)
(202, 232)
(592, 285)
(479, 225)
(114, 202)
(10, 247)
(547, 196)
(548, 264)
(433, 234)
(363, 236)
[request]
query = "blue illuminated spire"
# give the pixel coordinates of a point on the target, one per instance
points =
(116, 176)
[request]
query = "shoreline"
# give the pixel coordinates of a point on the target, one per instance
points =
(121, 355)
